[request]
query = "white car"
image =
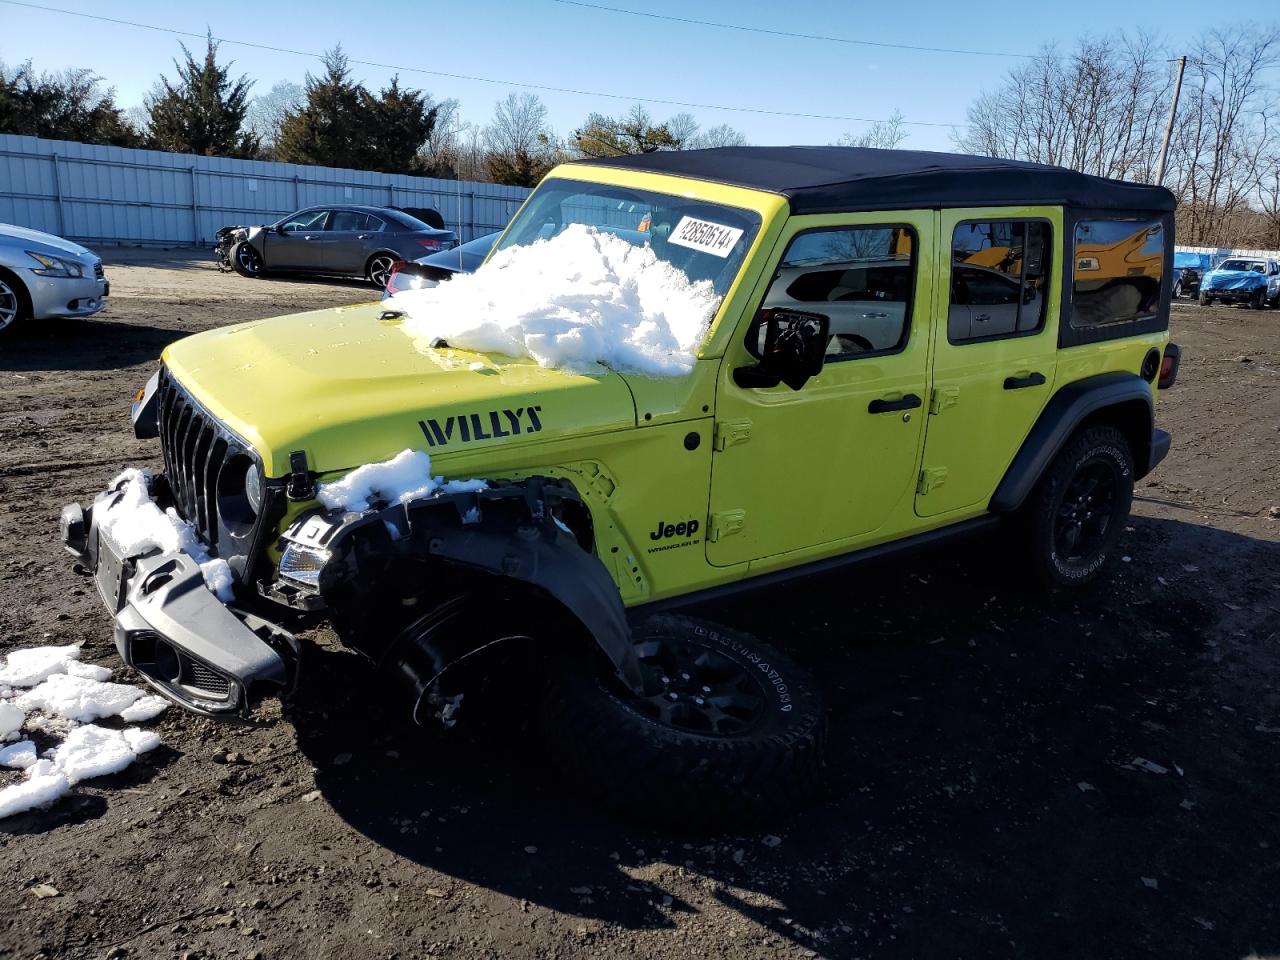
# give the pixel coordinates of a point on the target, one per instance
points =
(43, 276)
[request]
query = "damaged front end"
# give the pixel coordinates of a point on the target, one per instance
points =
(208, 656)
(422, 587)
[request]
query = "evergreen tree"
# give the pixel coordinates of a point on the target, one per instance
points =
(204, 111)
(64, 106)
(397, 123)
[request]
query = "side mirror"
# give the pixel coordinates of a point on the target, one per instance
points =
(794, 348)
(281, 229)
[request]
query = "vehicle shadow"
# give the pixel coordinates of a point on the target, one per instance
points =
(1012, 770)
(90, 344)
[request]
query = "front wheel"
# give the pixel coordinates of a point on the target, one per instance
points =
(1177, 290)
(14, 306)
(246, 261)
(1257, 300)
(1205, 300)
(727, 733)
(1075, 515)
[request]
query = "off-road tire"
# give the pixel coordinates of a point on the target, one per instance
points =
(1205, 300)
(1105, 448)
(684, 780)
(244, 251)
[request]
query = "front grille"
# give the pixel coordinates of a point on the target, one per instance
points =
(195, 448)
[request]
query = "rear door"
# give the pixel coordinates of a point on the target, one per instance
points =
(349, 241)
(795, 469)
(995, 355)
(300, 243)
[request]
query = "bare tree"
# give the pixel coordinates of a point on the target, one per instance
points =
(883, 134)
(521, 145)
(267, 112)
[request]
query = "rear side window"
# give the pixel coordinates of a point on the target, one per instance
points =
(860, 277)
(1118, 265)
(349, 220)
(999, 279)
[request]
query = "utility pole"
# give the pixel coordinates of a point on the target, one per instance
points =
(1168, 129)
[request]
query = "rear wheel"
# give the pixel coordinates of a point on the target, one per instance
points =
(1078, 509)
(1177, 289)
(727, 733)
(246, 261)
(14, 305)
(379, 269)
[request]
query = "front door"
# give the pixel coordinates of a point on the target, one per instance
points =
(793, 469)
(995, 350)
(299, 243)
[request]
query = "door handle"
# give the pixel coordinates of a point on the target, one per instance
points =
(874, 316)
(1030, 380)
(908, 402)
(309, 238)
(363, 236)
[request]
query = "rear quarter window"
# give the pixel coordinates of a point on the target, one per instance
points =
(1117, 270)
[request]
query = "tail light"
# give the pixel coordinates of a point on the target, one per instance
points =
(1169, 366)
(394, 283)
(433, 244)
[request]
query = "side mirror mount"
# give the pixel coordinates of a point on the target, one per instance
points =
(794, 349)
(281, 229)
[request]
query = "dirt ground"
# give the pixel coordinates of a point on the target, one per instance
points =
(984, 800)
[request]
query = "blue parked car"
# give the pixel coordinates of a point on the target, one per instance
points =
(1188, 272)
(1250, 280)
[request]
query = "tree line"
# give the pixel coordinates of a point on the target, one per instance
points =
(1099, 106)
(1102, 105)
(331, 119)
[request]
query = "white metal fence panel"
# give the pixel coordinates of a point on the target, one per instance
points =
(115, 195)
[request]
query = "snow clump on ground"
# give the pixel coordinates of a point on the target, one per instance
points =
(573, 302)
(406, 476)
(64, 695)
(138, 525)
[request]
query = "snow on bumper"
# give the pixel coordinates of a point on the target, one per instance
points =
(171, 622)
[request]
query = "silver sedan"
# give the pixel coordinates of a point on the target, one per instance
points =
(43, 276)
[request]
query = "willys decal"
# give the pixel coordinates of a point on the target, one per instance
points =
(489, 425)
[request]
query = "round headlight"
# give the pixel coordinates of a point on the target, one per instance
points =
(253, 488)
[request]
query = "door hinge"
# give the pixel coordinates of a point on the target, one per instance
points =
(942, 398)
(930, 479)
(726, 524)
(729, 432)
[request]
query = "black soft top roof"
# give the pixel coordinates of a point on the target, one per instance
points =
(840, 179)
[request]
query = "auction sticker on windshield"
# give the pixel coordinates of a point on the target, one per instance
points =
(703, 235)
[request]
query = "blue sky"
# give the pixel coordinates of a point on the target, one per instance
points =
(545, 42)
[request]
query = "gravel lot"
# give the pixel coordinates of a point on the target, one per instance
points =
(984, 799)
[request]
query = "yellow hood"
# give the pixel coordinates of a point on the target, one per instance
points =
(348, 388)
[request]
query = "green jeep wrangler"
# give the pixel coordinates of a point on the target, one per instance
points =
(911, 346)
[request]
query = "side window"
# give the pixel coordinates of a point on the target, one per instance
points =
(306, 220)
(373, 224)
(348, 220)
(1118, 266)
(999, 279)
(861, 277)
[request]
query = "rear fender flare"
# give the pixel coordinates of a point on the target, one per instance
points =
(1123, 397)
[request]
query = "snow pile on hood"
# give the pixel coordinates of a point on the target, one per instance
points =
(138, 525)
(68, 692)
(405, 477)
(575, 301)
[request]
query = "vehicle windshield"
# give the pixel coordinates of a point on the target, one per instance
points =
(1256, 266)
(1188, 259)
(704, 241)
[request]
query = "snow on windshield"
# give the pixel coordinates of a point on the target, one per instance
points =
(580, 299)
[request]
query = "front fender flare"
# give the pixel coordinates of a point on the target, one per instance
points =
(509, 531)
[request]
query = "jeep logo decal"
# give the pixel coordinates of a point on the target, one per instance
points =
(686, 528)
(472, 426)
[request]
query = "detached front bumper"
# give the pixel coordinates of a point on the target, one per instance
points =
(199, 652)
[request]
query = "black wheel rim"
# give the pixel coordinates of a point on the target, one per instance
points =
(1085, 514)
(248, 259)
(696, 689)
(380, 271)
